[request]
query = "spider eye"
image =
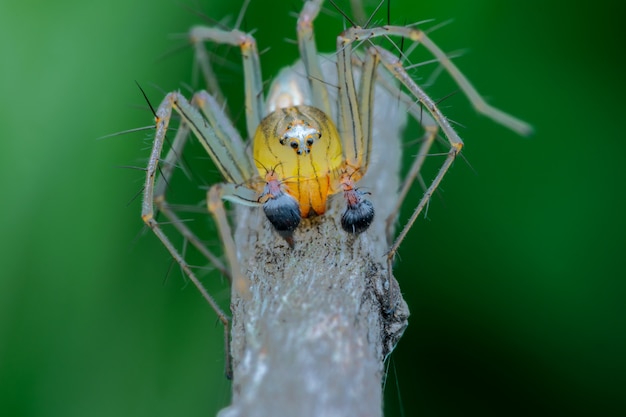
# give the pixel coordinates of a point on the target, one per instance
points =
(294, 145)
(309, 141)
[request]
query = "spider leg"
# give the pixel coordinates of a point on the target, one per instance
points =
(352, 127)
(226, 147)
(349, 123)
(431, 130)
(202, 58)
(365, 106)
(219, 138)
(207, 120)
(309, 55)
(162, 119)
(355, 127)
(255, 109)
(216, 193)
(477, 101)
(159, 199)
(394, 65)
(414, 172)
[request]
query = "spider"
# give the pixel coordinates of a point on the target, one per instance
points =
(302, 148)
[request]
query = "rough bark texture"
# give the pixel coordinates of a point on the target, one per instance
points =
(312, 339)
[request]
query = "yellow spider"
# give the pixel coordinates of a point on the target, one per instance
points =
(301, 150)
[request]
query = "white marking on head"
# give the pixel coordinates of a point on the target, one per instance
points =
(300, 136)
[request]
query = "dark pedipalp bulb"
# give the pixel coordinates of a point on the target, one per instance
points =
(281, 208)
(359, 213)
(283, 211)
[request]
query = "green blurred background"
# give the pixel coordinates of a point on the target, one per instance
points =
(515, 280)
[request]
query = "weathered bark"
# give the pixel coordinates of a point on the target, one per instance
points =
(312, 339)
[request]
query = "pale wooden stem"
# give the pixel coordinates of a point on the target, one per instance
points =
(312, 338)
